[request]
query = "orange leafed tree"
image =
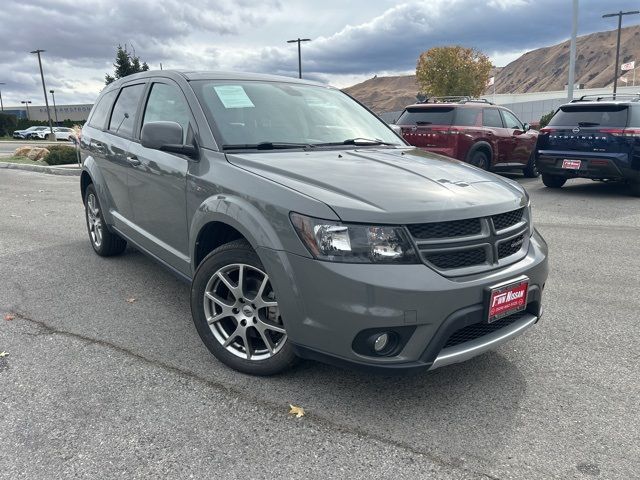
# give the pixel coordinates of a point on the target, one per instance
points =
(453, 70)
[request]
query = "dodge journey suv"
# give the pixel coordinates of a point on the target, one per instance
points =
(305, 226)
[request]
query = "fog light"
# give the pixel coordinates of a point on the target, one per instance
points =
(381, 342)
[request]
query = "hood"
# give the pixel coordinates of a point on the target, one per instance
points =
(382, 185)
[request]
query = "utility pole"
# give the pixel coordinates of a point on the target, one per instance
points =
(620, 14)
(26, 104)
(55, 110)
(44, 90)
(299, 41)
(1, 105)
(572, 52)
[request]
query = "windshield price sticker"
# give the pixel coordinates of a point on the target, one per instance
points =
(233, 96)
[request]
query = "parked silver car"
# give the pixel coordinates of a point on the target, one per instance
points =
(306, 226)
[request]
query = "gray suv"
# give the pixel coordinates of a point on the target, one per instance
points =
(305, 226)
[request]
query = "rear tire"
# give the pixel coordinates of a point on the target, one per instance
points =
(531, 170)
(635, 188)
(236, 313)
(479, 159)
(104, 242)
(553, 181)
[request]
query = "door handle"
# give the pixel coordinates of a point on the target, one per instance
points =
(133, 160)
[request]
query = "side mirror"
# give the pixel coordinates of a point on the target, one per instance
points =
(166, 136)
(396, 128)
(526, 127)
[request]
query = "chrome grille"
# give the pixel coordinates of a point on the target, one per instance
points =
(465, 247)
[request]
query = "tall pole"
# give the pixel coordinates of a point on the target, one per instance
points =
(1, 105)
(44, 90)
(55, 110)
(299, 41)
(620, 14)
(572, 52)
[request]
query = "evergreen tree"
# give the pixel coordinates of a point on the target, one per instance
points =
(127, 63)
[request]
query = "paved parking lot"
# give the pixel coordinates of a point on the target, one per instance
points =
(96, 386)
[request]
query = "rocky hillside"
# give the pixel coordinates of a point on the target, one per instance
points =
(542, 69)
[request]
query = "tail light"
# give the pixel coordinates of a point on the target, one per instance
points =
(621, 132)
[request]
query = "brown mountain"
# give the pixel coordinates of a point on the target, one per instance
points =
(539, 70)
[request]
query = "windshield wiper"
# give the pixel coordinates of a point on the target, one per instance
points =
(265, 146)
(355, 141)
(588, 124)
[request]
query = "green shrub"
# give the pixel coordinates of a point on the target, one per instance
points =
(60, 155)
(545, 119)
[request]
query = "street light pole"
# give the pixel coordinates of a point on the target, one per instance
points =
(620, 14)
(26, 104)
(1, 105)
(299, 41)
(55, 110)
(572, 52)
(44, 90)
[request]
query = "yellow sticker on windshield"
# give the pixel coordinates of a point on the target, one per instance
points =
(233, 96)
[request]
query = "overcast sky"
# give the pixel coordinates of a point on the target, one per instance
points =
(352, 40)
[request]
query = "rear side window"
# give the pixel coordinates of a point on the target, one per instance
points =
(427, 116)
(491, 118)
(124, 111)
(101, 110)
(591, 116)
(467, 117)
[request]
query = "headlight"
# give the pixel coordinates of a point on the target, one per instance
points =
(352, 243)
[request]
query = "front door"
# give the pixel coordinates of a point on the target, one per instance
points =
(157, 181)
(522, 142)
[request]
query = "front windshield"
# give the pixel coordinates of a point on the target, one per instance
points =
(250, 113)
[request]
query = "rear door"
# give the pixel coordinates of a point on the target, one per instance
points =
(500, 137)
(157, 180)
(115, 144)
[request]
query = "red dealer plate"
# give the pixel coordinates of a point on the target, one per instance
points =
(507, 299)
(571, 164)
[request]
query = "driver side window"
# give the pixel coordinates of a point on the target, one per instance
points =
(167, 103)
(510, 121)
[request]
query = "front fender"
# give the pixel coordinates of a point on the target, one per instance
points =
(240, 214)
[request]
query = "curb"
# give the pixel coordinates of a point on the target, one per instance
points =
(68, 172)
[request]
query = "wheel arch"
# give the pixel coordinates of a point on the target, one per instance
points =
(482, 146)
(221, 219)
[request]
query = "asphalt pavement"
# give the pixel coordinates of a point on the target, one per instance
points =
(96, 386)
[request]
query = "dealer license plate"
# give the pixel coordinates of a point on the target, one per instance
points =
(571, 164)
(507, 299)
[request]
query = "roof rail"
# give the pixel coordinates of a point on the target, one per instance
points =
(634, 97)
(453, 99)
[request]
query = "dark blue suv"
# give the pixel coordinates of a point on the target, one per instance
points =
(595, 137)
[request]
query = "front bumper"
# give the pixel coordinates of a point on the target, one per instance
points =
(325, 306)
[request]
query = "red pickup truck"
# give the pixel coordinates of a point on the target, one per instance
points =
(475, 131)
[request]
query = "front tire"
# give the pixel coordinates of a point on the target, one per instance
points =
(104, 242)
(553, 181)
(236, 314)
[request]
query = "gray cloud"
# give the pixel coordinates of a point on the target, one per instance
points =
(249, 35)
